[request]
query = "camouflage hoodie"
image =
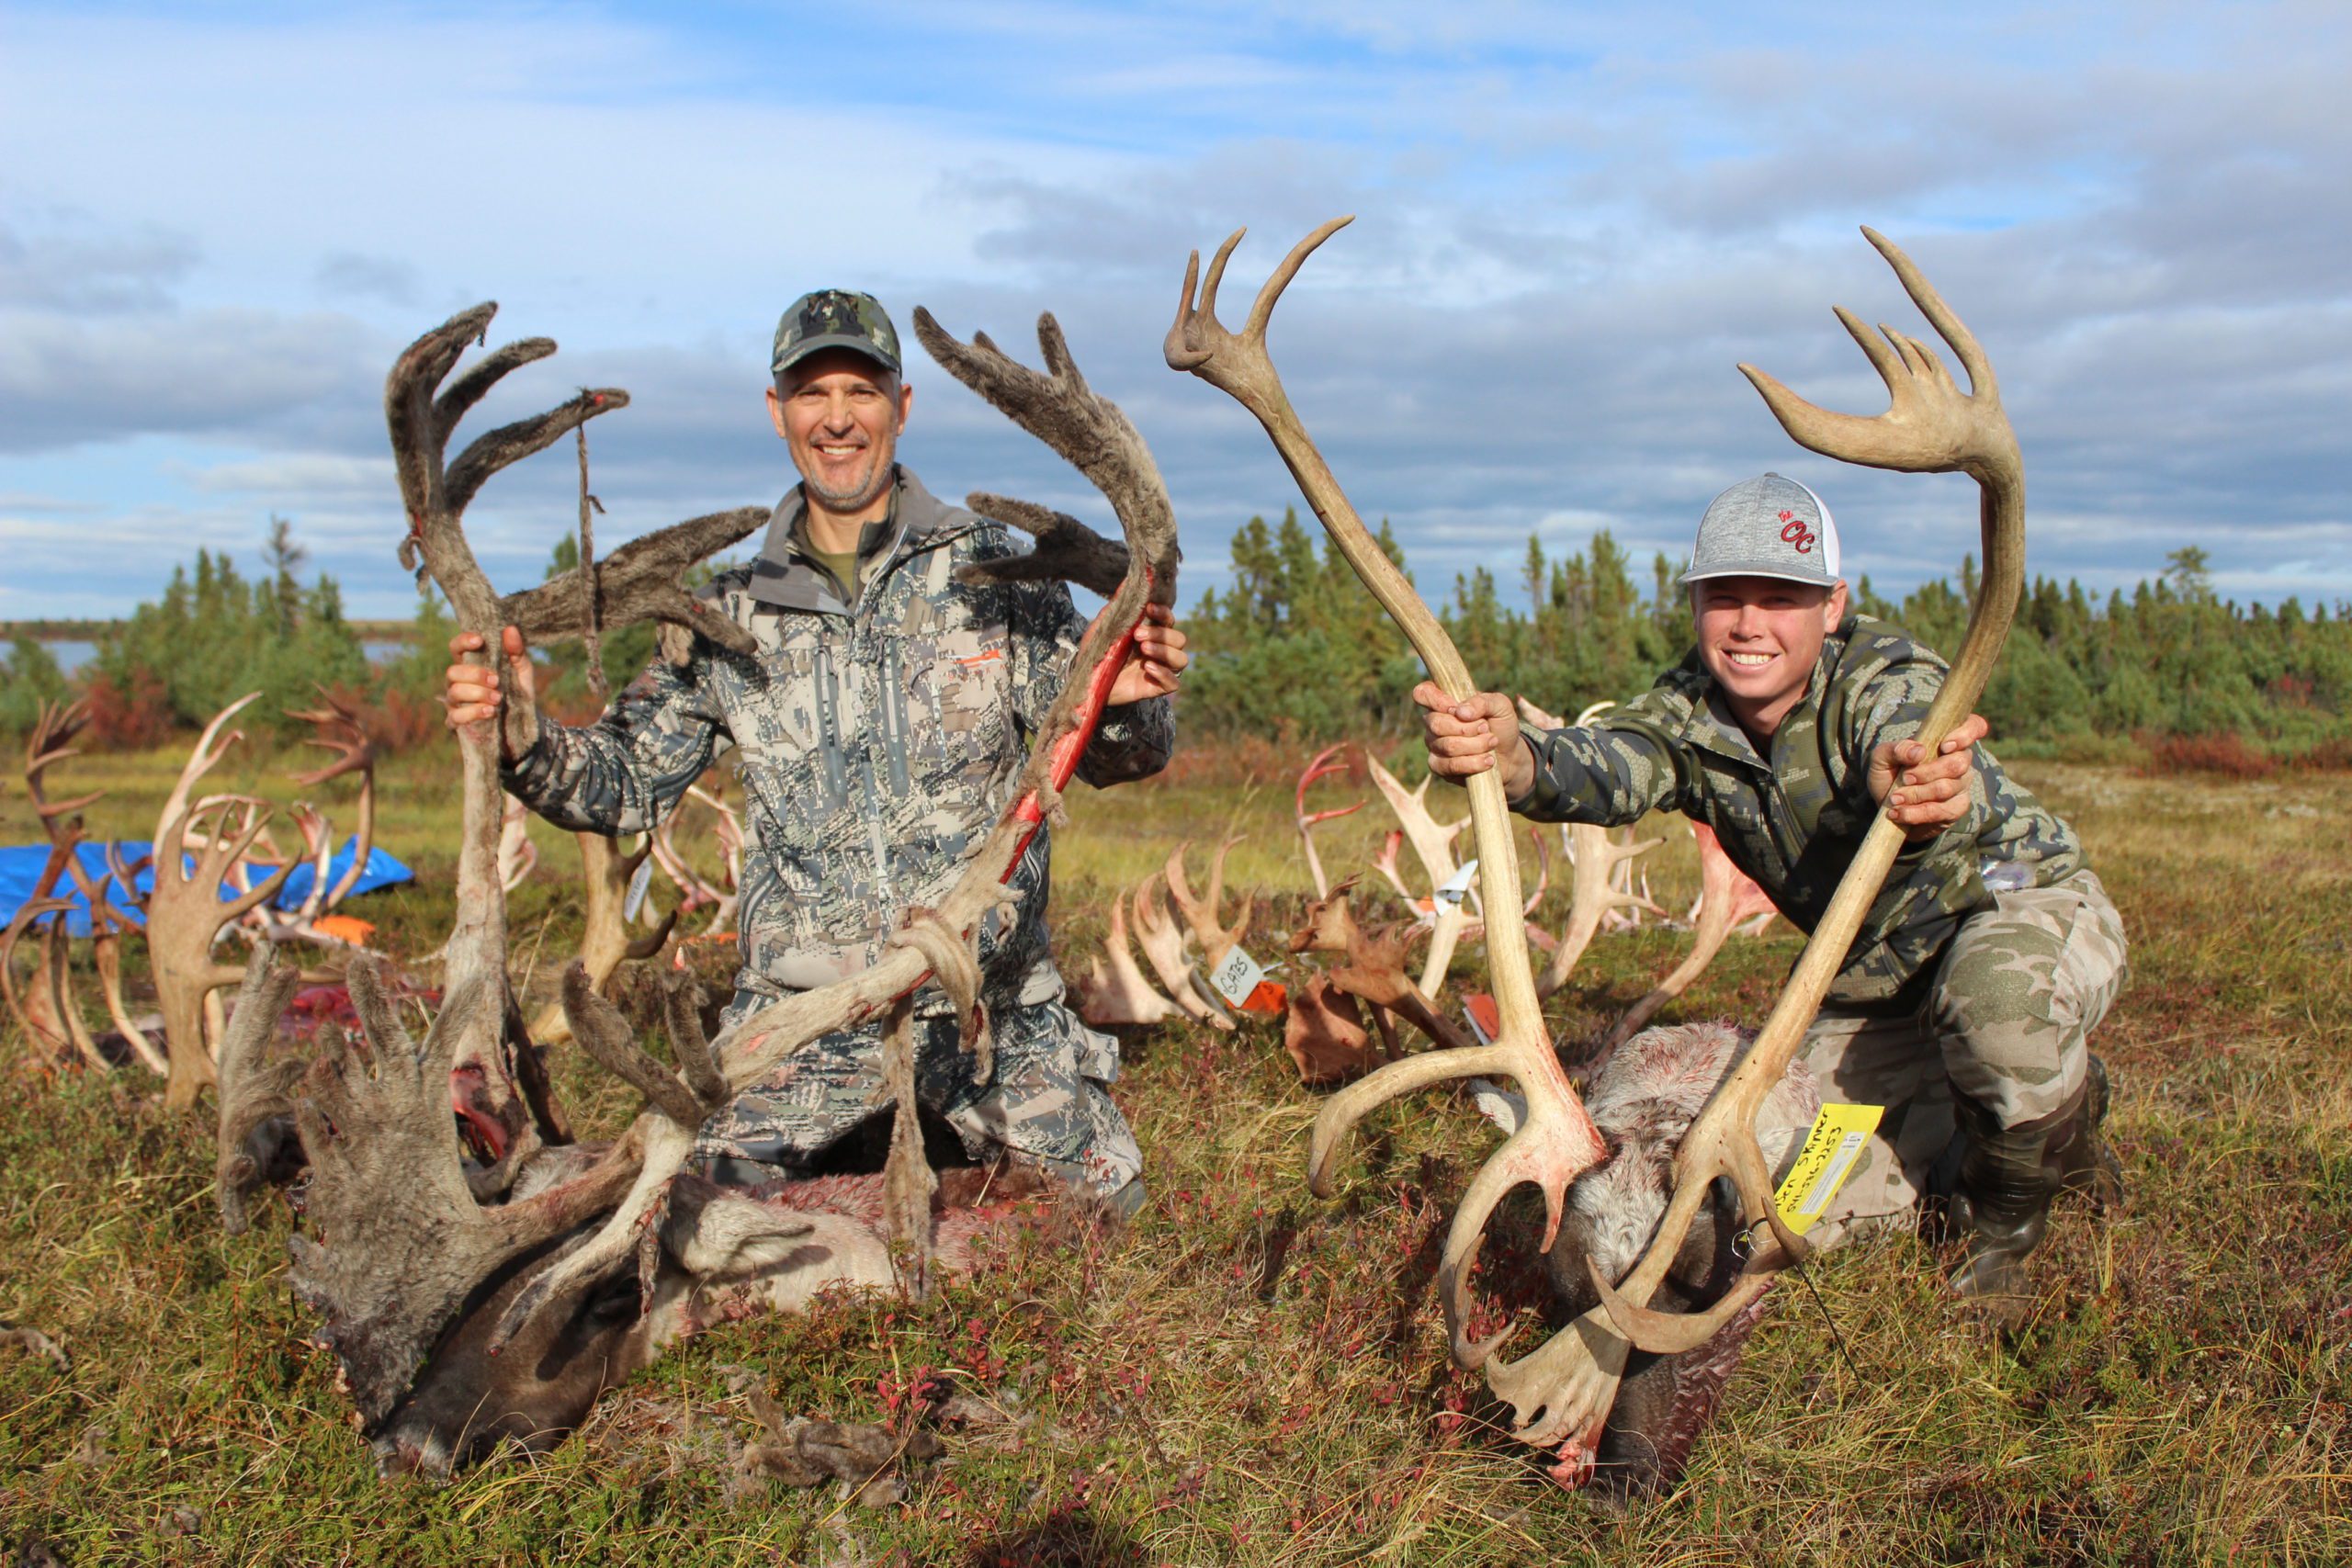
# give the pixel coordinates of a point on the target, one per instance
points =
(1794, 820)
(876, 744)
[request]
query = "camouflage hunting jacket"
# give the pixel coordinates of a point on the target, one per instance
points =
(876, 744)
(1795, 819)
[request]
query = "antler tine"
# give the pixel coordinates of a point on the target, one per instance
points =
(1067, 549)
(1321, 766)
(604, 1034)
(419, 439)
(202, 760)
(50, 742)
(1556, 1141)
(682, 1010)
(1201, 914)
(493, 450)
(469, 389)
(1059, 409)
(1261, 310)
(1929, 426)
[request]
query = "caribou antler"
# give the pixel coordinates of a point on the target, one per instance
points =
(1121, 994)
(184, 917)
(1162, 940)
(48, 1011)
(356, 752)
(1556, 1141)
(37, 1007)
(638, 581)
(1593, 893)
(52, 742)
(1727, 896)
(1324, 765)
(1059, 409)
(1216, 939)
(1375, 970)
(1931, 426)
(1434, 845)
(606, 874)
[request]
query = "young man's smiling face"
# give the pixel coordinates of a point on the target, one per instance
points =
(1759, 637)
(839, 415)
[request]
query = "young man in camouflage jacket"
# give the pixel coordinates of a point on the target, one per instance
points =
(877, 733)
(1988, 956)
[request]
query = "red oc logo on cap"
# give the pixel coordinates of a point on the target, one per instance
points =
(1793, 530)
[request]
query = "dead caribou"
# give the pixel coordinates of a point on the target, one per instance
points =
(468, 1303)
(1652, 1231)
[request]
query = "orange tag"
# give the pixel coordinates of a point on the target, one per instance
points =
(344, 928)
(988, 656)
(1267, 997)
(1484, 1015)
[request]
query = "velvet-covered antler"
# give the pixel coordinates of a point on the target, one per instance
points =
(422, 407)
(1059, 408)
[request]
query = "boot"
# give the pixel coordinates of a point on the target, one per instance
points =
(2009, 1174)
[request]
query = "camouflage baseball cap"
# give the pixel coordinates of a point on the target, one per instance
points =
(835, 318)
(1767, 526)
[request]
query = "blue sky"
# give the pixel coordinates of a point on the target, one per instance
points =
(218, 225)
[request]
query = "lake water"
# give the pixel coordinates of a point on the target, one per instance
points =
(72, 656)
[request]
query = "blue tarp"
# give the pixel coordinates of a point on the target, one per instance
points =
(21, 866)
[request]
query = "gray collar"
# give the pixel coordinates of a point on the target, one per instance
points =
(783, 578)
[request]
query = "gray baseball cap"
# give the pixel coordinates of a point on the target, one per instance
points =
(1767, 526)
(835, 318)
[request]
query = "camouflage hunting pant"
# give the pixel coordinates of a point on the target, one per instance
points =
(2004, 1021)
(1047, 1106)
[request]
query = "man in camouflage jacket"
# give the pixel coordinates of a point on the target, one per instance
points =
(1992, 950)
(877, 733)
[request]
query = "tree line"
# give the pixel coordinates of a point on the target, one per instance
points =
(1293, 650)
(215, 635)
(1294, 647)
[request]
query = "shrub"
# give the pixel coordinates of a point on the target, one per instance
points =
(2225, 752)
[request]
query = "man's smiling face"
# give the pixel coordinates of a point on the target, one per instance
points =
(839, 415)
(1759, 637)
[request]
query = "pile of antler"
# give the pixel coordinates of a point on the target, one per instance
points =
(200, 845)
(1562, 1394)
(1324, 1028)
(424, 1268)
(1114, 991)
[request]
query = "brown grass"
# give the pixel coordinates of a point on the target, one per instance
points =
(1250, 1375)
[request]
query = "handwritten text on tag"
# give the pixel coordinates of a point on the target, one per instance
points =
(1840, 1135)
(1236, 975)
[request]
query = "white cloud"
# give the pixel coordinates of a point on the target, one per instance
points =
(1573, 222)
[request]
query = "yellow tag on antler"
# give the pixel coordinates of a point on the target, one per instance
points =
(1839, 1135)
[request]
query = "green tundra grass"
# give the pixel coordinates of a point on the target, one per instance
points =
(1251, 1375)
